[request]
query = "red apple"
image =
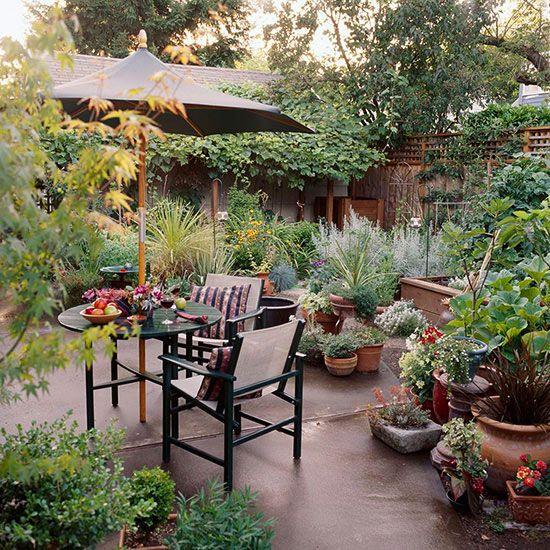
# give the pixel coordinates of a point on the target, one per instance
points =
(98, 311)
(88, 310)
(100, 303)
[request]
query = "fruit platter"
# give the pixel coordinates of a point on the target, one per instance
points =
(101, 312)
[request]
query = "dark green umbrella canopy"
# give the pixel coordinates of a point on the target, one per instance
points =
(129, 81)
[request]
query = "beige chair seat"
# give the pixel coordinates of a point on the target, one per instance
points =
(191, 386)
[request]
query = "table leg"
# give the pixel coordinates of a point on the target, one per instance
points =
(175, 417)
(188, 350)
(114, 374)
(89, 367)
(142, 397)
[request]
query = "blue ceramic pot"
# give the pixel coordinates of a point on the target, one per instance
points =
(477, 356)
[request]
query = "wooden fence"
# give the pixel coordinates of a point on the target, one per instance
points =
(417, 150)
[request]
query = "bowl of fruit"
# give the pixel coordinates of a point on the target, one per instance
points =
(101, 312)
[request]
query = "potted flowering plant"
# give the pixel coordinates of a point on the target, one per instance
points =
(459, 357)
(417, 364)
(401, 423)
(529, 494)
(339, 352)
(141, 298)
(464, 480)
(315, 306)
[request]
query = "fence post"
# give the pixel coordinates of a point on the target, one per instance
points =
(526, 140)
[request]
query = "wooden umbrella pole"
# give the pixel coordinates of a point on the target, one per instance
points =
(142, 192)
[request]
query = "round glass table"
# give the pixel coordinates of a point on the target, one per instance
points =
(153, 328)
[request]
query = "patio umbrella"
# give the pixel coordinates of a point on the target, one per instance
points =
(128, 82)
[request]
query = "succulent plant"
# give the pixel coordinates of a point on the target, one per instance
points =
(283, 276)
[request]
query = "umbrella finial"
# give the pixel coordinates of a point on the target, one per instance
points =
(142, 38)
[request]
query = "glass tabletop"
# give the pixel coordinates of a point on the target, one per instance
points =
(153, 327)
(118, 269)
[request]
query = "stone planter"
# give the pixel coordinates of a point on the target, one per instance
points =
(528, 508)
(341, 367)
(407, 441)
(428, 294)
(326, 320)
(368, 358)
(503, 444)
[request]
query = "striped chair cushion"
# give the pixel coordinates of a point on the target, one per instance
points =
(211, 389)
(230, 300)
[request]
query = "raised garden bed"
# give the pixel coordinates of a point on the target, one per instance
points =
(428, 294)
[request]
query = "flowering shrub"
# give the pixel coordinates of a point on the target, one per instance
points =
(533, 477)
(107, 294)
(401, 410)
(417, 365)
(401, 319)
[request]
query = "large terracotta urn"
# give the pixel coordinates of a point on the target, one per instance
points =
(326, 320)
(503, 444)
(343, 309)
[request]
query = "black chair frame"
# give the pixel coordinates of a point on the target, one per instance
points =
(227, 410)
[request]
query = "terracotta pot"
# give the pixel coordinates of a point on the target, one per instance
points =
(503, 444)
(268, 285)
(528, 508)
(343, 309)
(440, 400)
(341, 367)
(326, 320)
(368, 358)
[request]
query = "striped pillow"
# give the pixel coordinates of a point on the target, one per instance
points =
(230, 300)
(211, 388)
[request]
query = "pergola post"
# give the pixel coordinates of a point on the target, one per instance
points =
(330, 201)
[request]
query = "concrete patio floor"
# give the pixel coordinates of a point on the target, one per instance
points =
(348, 491)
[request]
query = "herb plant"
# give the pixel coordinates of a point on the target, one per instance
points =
(401, 410)
(339, 346)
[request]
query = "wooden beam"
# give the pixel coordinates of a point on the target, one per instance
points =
(215, 198)
(330, 201)
(300, 206)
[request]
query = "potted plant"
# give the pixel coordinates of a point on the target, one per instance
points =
(310, 343)
(141, 299)
(316, 306)
(518, 416)
(464, 481)
(339, 352)
(370, 342)
(459, 357)
(401, 423)
(417, 364)
(529, 494)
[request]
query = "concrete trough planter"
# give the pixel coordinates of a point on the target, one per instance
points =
(407, 441)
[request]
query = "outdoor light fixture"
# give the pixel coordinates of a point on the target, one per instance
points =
(415, 223)
(222, 216)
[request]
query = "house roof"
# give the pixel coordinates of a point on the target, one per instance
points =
(85, 65)
(532, 95)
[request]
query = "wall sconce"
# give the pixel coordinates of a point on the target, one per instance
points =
(222, 216)
(415, 223)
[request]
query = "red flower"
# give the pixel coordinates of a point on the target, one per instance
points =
(529, 482)
(523, 472)
(541, 465)
(477, 485)
(537, 474)
(523, 458)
